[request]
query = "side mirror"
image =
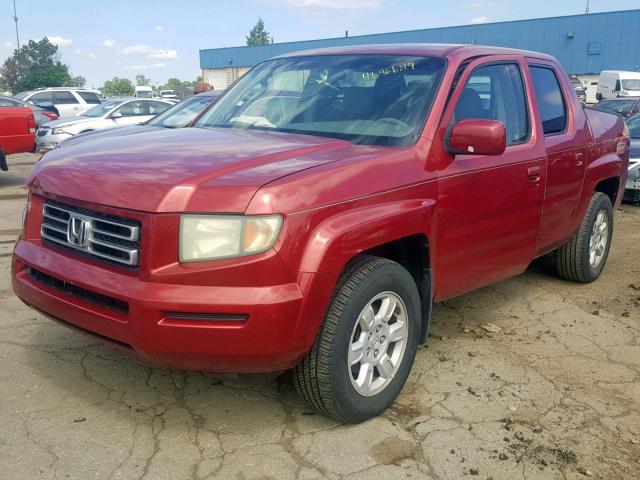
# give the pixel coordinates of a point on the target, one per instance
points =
(116, 115)
(477, 137)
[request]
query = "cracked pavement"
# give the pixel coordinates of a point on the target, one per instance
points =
(548, 389)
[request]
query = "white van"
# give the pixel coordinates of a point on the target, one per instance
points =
(143, 91)
(617, 83)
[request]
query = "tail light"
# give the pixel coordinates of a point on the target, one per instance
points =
(32, 124)
(50, 115)
(623, 141)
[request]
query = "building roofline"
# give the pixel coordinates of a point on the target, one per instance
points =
(420, 30)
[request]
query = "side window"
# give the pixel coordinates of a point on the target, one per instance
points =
(90, 97)
(496, 92)
(133, 109)
(41, 97)
(617, 86)
(157, 107)
(64, 98)
(551, 104)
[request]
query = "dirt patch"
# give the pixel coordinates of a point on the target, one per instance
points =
(392, 450)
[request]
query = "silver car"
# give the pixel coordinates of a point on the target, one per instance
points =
(109, 114)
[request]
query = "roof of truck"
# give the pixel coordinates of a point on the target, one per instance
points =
(422, 49)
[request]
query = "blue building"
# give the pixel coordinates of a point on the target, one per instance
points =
(584, 44)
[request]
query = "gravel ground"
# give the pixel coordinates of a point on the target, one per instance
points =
(531, 378)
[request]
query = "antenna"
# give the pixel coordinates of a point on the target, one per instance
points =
(15, 19)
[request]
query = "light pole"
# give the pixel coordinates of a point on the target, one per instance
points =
(15, 19)
(586, 10)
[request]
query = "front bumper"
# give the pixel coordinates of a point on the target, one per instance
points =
(238, 329)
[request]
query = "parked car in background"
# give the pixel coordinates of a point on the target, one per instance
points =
(179, 115)
(17, 132)
(310, 217)
(168, 94)
(591, 89)
(144, 91)
(626, 107)
(632, 191)
(68, 101)
(618, 83)
(578, 87)
(42, 114)
(109, 114)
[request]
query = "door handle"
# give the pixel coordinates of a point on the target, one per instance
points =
(579, 159)
(533, 173)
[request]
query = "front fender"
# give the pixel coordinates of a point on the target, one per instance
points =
(339, 238)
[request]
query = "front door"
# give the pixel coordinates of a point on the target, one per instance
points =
(489, 207)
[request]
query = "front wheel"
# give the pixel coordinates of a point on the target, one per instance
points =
(583, 258)
(364, 350)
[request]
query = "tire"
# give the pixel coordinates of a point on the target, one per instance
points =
(574, 260)
(323, 378)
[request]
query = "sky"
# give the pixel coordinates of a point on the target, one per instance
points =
(161, 39)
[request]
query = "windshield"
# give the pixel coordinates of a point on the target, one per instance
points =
(631, 84)
(181, 114)
(366, 99)
(621, 107)
(144, 94)
(100, 110)
(634, 126)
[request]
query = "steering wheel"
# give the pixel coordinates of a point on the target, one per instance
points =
(393, 121)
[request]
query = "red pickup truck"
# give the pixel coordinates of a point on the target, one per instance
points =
(17, 132)
(319, 208)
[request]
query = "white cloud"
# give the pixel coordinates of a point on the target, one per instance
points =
(327, 4)
(159, 65)
(135, 67)
(91, 55)
(8, 44)
(160, 53)
(59, 41)
(142, 49)
(77, 51)
(158, 28)
(482, 19)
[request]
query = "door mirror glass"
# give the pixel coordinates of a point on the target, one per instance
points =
(116, 115)
(477, 137)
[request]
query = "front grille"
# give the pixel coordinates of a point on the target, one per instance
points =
(104, 237)
(72, 290)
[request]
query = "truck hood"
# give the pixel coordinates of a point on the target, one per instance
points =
(110, 132)
(188, 169)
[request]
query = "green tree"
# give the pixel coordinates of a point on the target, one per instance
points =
(118, 86)
(258, 35)
(34, 65)
(78, 81)
(172, 83)
(142, 81)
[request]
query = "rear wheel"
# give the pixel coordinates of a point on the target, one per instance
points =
(364, 350)
(583, 258)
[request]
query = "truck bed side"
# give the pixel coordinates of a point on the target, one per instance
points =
(17, 130)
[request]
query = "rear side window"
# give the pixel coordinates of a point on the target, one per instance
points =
(496, 92)
(89, 97)
(64, 98)
(551, 104)
(157, 107)
(41, 97)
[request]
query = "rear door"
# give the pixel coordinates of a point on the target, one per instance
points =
(489, 207)
(566, 136)
(133, 113)
(67, 104)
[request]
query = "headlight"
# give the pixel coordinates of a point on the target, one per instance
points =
(58, 131)
(208, 237)
(634, 172)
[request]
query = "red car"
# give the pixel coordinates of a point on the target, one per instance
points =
(313, 215)
(17, 132)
